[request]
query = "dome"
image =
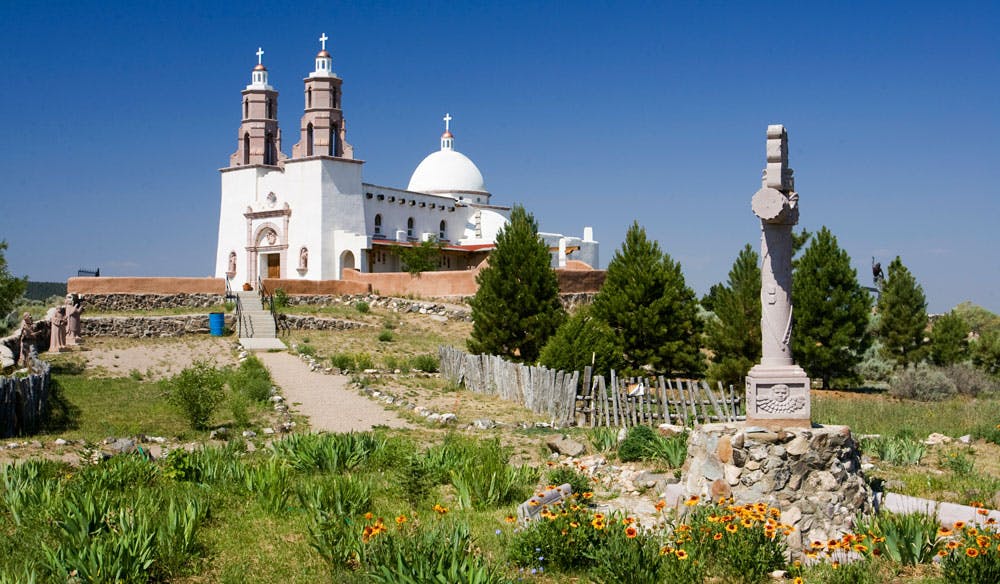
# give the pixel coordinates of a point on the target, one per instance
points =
(447, 171)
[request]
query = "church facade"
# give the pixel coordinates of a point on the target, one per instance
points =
(310, 216)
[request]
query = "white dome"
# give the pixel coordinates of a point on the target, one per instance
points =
(447, 171)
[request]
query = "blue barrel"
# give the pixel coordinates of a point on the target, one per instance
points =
(216, 323)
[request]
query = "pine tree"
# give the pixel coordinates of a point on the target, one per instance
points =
(831, 311)
(654, 313)
(583, 340)
(516, 308)
(948, 339)
(734, 335)
(902, 309)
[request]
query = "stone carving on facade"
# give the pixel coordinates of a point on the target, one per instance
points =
(271, 237)
(303, 260)
(231, 268)
(780, 400)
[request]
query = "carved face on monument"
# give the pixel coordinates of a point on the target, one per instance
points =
(779, 392)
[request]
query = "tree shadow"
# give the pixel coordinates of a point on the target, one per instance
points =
(63, 414)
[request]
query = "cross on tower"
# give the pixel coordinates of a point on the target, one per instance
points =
(447, 118)
(322, 39)
(260, 54)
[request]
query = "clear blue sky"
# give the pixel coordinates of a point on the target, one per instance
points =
(117, 119)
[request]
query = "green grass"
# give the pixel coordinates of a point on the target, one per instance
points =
(866, 415)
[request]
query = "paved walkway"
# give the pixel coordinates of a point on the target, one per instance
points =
(327, 400)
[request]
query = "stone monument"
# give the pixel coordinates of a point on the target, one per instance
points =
(811, 473)
(777, 388)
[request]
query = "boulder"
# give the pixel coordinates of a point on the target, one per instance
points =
(565, 446)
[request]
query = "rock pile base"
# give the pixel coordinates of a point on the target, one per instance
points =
(813, 475)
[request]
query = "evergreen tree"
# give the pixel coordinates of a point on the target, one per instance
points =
(902, 311)
(734, 335)
(831, 311)
(583, 340)
(11, 288)
(654, 313)
(516, 308)
(948, 339)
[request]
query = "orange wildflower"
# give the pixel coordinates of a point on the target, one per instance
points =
(660, 505)
(598, 524)
(681, 554)
(731, 528)
(368, 516)
(692, 500)
(951, 545)
(401, 519)
(631, 532)
(971, 552)
(440, 509)
(717, 536)
(944, 532)
(510, 519)
(959, 525)
(588, 495)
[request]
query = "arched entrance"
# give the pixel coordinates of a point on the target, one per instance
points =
(346, 262)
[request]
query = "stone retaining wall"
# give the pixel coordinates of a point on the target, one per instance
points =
(312, 323)
(139, 302)
(147, 326)
(813, 475)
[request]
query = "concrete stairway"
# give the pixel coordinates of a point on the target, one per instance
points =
(260, 333)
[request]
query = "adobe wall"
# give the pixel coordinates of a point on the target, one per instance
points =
(580, 281)
(428, 285)
(317, 287)
(166, 286)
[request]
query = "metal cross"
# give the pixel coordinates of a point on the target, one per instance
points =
(322, 39)
(447, 118)
(260, 53)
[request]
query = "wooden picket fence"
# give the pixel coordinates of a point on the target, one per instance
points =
(24, 401)
(617, 402)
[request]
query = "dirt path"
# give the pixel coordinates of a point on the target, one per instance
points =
(327, 400)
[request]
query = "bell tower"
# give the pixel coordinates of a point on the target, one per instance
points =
(323, 131)
(258, 139)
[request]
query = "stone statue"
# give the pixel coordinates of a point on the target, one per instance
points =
(777, 389)
(74, 308)
(304, 259)
(877, 274)
(232, 264)
(27, 338)
(57, 334)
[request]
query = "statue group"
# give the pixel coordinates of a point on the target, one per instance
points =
(64, 329)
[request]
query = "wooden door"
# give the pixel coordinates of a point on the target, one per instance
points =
(273, 265)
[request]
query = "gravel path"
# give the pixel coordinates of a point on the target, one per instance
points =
(327, 400)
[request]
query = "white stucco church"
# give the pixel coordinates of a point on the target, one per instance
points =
(310, 216)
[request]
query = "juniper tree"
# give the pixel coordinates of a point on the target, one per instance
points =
(831, 311)
(653, 312)
(733, 335)
(583, 340)
(902, 309)
(948, 339)
(11, 288)
(516, 307)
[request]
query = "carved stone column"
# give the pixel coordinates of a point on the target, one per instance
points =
(777, 388)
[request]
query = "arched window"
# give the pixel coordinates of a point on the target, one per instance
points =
(334, 141)
(378, 224)
(270, 109)
(309, 97)
(309, 139)
(269, 154)
(409, 227)
(442, 229)
(246, 148)
(246, 109)
(333, 99)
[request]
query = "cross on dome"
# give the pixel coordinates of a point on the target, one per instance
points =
(322, 39)
(447, 119)
(260, 55)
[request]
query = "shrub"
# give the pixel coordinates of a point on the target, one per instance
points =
(239, 408)
(197, 391)
(426, 362)
(643, 443)
(604, 440)
(922, 382)
(342, 361)
(970, 381)
(874, 366)
(362, 307)
(988, 432)
(566, 474)
(580, 341)
(393, 363)
(280, 298)
(306, 349)
(385, 336)
(364, 361)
